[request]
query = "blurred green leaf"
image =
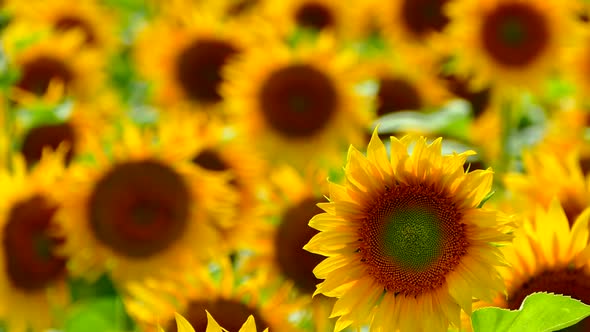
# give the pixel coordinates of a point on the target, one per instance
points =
(539, 312)
(101, 315)
(451, 120)
(81, 289)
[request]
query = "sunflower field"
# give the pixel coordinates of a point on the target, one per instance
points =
(294, 165)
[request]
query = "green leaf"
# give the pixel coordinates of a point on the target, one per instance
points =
(538, 312)
(80, 289)
(101, 315)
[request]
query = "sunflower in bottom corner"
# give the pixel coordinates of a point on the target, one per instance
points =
(408, 245)
(33, 281)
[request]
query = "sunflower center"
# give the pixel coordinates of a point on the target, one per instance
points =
(67, 22)
(424, 16)
(479, 100)
(293, 233)
(51, 135)
(30, 263)
(412, 238)
(211, 160)
(314, 15)
(199, 68)
(230, 314)
(396, 94)
(241, 7)
(39, 72)
(139, 208)
(298, 100)
(515, 34)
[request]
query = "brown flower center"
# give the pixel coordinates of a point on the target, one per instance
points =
(515, 34)
(396, 94)
(139, 208)
(51, 135)
(424, 16)
(298, 101)
(293, 233)
(411, 238)
(69, 22)
(39, 72)
(241, 7)
(28, 246)
(199, 67)
(211, 160)
(229, 314)
(314, 15)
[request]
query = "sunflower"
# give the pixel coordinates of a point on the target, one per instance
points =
(577, 64)
(50, 64)
(313, 15)
(213, 326)
(553, 257)
(415, 22)
(94, 22)
(508, 43)
(184, 57)
(549, 173)
(407, 245)
(400, 87)
(219, 289)
(288, 100)
(33, 280)
(141, 208)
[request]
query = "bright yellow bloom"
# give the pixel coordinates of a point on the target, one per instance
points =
(407, 245)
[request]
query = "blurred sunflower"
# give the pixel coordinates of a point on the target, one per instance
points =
(313, 15)
(141, 209)
(401, 87)
(407, 245)
(551, 258)
(288, 100)
(509, 43)
(218, 289)
(249, 325)
(577, 64)
(414, 22)
(33, 280)
(549, 173)
(184, 57)
(51, 64)
(93, 21)
(278, 249)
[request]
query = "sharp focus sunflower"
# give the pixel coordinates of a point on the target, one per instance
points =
(407, 245)
(51, 62)
(548, 173)
(94, 22)
(509, 42)
(33, 281)
(551, 258)
(184, 57)
(226, 294)
(141, 210)
(289, 100)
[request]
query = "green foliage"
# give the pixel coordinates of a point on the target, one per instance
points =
(539, 312)
(100, 314)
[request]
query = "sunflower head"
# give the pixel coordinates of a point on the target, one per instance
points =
(408, 246)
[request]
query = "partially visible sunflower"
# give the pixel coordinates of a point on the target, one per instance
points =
(553, 257)
(509, 43)
(52, 64)
(314, 15)
(33, 282)
(549, 173)
(141, 209)
(288, 100)
(184, 57)
(226, 294)
(93, 21)
(577, 65)
(400, 86)
(408, 246)
(182, 325)
(419, 23)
